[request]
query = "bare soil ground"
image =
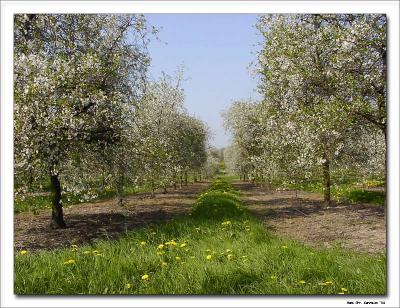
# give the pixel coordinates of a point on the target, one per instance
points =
(360, 227)
(102, 219)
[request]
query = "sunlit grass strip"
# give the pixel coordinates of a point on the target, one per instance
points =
(199, 256)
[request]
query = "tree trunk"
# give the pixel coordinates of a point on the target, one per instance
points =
(57, 215)
(327, 177)
(120, 187)
(186, 178)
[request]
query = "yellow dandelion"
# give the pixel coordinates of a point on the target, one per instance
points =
(225, 223)
(171, 243)
(128, 285)
(208, 250)
(208, 257)
(145, 277)
(273, 277)
(177, 258)
(160, 252)
(183, 245)
(228, 250)
(230, 257)
(328, 282)
(164, 263)
(302, 282)
(161, 246)
(344, 289)
(192, 257)
(23, 252)
(70, 261)
(142, 243)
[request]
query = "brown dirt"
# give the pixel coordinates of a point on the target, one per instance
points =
(359, 227)
(102, 219)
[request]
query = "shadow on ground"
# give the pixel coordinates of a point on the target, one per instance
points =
(301, 216)
(88, 222)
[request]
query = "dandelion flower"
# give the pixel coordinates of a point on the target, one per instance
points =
(128, 285)
(161, 246)
(164, 263)
(145, 277)
(23, 252)
(183, 245)
(273, 277)
(192, 257)
(225, 223)
(208, 257)
(344, 289)
(160, 253)
(171, 243)
(208, 250)
(142, 243)
(70, 261)
(230, 257)
(328, 282)
(177, 258)
(228, 250)
(302, 282)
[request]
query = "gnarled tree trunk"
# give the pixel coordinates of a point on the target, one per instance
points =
(57, 215)
(326, 174)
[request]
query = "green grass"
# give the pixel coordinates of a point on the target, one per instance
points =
(36, 203)
(347, 191)
(200, 256)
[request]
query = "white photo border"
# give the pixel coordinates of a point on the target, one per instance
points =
(9, 8)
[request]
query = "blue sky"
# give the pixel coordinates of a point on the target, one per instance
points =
(216, 51)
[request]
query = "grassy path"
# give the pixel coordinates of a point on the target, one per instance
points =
(219, 249)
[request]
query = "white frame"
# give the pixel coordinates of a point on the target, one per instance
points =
(8, 8)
